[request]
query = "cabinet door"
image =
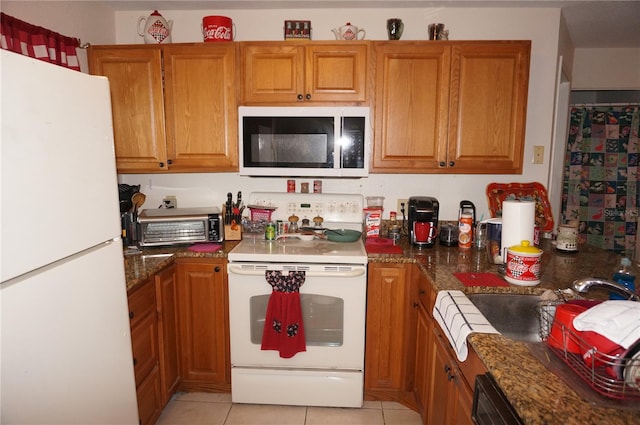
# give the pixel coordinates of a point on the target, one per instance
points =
(442, 391)
(135, 79)
(424, 354)
(336, 72)
(204, 325)
(390, 325)
(489, 85)
(150, 398)
(272, 72)
(412, 100)
(165, 285)
(201, 107)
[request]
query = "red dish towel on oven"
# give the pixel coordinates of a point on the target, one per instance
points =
(283, 327)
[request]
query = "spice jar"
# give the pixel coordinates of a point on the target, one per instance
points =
(293, 224)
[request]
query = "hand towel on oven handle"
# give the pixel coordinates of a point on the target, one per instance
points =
(283, 324)
(458, 317)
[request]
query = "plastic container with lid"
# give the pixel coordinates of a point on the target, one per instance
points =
(523, 264)
(375, 202)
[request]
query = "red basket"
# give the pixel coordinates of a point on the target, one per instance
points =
(258, 214)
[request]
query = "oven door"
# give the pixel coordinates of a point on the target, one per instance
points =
(333, 301)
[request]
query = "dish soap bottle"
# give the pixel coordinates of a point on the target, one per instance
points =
(624, 276)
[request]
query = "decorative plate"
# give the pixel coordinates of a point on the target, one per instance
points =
(498, 192)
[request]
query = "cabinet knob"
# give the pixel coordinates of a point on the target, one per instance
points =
(450, 376)
(131, 314)
(135, 361)
(421, 292)
(300, 97)
(308, 96)
(442, 163)
(415, 304)
(169, 162)
(161, 165)
(452, 163)
(216, 269)
(447, 368)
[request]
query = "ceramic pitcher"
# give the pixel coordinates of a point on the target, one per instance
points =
(348, 32)
(156, 29)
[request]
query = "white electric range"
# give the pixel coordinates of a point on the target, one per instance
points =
(330, 369)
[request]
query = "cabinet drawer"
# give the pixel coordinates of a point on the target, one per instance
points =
(149, 398)
(141, 303)
(144, 344)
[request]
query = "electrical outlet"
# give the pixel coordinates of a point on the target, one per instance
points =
(538, 154)
(399, 207)
(170, 202)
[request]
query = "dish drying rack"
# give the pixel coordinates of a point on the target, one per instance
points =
(604, 373)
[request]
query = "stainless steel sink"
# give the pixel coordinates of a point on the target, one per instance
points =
(513, 315)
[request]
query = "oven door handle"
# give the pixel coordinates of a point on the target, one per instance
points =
(350, 273)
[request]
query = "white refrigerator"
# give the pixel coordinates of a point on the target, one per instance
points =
(65, 344)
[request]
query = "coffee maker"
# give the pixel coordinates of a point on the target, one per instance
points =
(423, 209)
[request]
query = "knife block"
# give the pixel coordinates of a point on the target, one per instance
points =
(233, 231)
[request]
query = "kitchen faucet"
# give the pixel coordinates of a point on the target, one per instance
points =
(584, 284)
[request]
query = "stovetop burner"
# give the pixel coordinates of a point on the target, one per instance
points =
(339, 211)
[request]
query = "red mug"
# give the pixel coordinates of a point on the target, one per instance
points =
(218, 28)
(423, 231)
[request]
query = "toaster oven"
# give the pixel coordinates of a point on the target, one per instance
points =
(174, 226)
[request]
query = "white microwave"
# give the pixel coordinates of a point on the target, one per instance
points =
(304, 141)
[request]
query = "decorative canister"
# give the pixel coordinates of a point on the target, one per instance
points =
(523, 264)
(156, 29)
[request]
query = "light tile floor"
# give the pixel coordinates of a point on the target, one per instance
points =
(217, 409)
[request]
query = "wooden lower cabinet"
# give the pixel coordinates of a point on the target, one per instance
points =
(203, 317)
(144, 344)
(450, 396)
(166, 303)
(390, 327)
(423, 355)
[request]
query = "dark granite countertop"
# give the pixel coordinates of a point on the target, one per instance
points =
(538, 395)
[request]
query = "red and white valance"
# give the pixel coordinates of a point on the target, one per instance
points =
(37, 42)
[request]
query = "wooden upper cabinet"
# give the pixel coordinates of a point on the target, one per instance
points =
(412, 100)
(200, 105)
(174, 106)
(137, 103)
(489, 87)
(304, 72)
(450, 107)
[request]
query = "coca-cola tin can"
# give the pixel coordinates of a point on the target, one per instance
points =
(523, 264)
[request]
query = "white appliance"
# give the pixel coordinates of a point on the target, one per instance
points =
(304, 141)
(333, 300)
(66, 346)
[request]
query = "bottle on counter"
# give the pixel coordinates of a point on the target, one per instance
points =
(624, 276)
(270, 231)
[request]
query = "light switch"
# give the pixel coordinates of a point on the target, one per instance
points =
(538, 154)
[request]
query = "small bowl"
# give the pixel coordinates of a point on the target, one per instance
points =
(562, 335)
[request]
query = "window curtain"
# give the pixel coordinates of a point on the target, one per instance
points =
(37, 42)
(601, 175)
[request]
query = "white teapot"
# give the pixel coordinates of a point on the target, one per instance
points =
(348, 32)
(156, 29)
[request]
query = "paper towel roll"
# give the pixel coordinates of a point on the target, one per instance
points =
(518, 222)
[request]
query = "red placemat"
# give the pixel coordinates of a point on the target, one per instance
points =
(381, 246)
(205, 247)
(480, 279)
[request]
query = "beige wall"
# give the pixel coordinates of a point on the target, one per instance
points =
(606, 69)
(541, 25)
